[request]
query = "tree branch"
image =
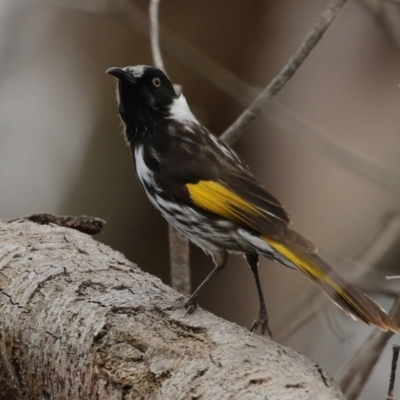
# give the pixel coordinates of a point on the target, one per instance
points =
(154, 35)
(255, 109)
(392, 379)
(355, 373)
(79, 321)
(178, 244)
(180, 261)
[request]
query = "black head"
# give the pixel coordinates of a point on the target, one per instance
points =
(142, 89)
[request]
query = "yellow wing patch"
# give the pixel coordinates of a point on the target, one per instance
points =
(217, 198)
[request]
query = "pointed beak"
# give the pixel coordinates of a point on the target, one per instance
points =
(121, 74)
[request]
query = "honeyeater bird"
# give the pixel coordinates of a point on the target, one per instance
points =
(206, 191)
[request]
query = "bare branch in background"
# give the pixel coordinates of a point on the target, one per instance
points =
(131, 15)
(395, 357)
(179, 257)
(313, 301)
(154, 34)
(179, 249)
(355, 373)
(255, 109)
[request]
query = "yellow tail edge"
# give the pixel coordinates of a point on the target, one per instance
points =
(350, 299)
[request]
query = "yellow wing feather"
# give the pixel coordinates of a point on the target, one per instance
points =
(219, 199)
(305, 264)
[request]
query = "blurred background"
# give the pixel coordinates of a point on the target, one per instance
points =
(62, 151)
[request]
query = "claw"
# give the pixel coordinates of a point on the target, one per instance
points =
(190, 306)
(262, 320)
(190, 309)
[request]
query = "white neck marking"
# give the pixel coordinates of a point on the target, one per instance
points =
(180, 110)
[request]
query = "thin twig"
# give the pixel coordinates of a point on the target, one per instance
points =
(255, 109)
(154, 35)
(395, 357)
(355, 373)
(293, 317)
(178, 244)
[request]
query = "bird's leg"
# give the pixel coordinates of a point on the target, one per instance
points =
(220, 261)
(262, 318)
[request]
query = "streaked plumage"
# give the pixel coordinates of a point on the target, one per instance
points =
(204, 189)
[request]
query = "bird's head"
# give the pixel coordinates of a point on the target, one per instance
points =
(142, 87)
(146, 92)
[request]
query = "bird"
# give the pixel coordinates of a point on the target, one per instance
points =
(203, 188)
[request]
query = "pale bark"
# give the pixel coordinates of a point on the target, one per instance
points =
(79, 321)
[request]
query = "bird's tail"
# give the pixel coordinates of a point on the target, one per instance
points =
(350, 299)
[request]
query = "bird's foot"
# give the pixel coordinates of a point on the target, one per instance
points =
(190, 304)
(261, 320)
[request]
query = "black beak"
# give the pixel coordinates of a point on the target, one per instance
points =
(121, 74)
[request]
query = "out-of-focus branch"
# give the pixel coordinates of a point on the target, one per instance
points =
(179, 258)
(309, 304)
(255, 109)
(131, 15)
(395, 357)
(154, 35)
(178, 244)
(355, 373)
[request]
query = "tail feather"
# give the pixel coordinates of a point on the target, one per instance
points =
(346, 296)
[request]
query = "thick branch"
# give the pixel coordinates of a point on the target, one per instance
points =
(79, 321)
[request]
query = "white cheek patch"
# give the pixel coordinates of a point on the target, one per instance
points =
(180, 110)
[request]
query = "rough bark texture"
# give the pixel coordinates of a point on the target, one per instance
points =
(79, 321)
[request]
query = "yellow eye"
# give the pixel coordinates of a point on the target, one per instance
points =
(157, 82)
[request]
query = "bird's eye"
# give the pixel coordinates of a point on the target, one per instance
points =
(156, 82)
